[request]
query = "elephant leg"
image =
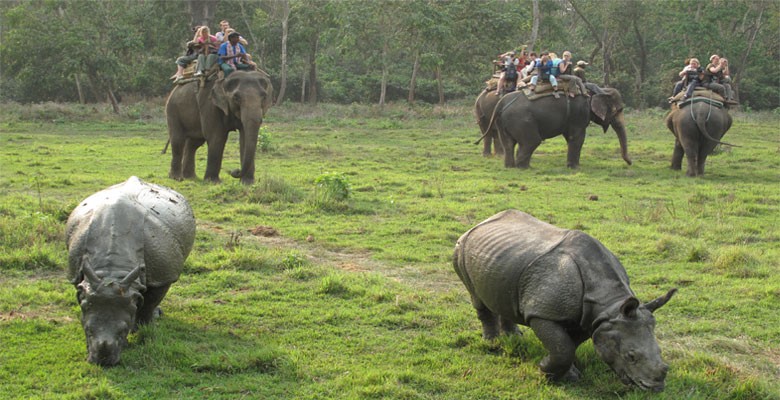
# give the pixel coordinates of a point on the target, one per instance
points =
(575, 143)
(559, 364)
(487, 145)
(703, 153)
(677, 156)
(692, 155)
(152, 298)
(509, 150)
(177, 150)
(497, 145)
(524, 152)
(191, 146)
(214, 161)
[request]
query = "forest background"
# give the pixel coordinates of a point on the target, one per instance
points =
(347, 51)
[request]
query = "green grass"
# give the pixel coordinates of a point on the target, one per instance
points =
(346, 289)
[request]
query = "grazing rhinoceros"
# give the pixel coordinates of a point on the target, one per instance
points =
(567, 287)
(126, 245)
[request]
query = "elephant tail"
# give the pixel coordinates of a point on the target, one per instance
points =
(165, 149)
(702, 124)
(478, 112)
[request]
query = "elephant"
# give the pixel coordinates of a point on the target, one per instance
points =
(484, 106)
(526, 123)
(206, 114)
(697, 128)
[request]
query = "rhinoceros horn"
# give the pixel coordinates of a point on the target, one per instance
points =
(657, 303)
(131, 277)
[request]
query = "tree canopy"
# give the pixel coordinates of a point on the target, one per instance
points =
(389, 50)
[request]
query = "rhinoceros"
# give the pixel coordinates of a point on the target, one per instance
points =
(126, 246)
(567, 287)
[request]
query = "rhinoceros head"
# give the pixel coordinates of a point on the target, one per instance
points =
(108, 312)
(624, 339)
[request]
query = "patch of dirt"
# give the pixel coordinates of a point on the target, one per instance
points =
(265, 231)
(433, 280)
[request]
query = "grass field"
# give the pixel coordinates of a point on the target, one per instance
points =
(331, 276)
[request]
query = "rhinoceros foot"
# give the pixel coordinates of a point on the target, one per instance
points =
(572, 375)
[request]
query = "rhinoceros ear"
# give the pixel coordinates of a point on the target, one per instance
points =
(657, 303)
(89, 273)
(628, 308)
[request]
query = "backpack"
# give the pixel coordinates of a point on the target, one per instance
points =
(511, 72)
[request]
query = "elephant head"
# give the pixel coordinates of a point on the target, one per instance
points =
(108, 313)
(244, 97)
(607, 109)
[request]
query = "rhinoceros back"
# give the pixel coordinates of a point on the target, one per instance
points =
(522, 268)
(131, 222)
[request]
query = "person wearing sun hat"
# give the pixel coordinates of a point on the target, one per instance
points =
(579, 72)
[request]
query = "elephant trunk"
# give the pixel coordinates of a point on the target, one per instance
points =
(619, 125)
(249, 135)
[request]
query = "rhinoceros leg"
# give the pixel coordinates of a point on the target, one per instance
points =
(508, 327)
(489, 320)
(559, 364)
(152, 298)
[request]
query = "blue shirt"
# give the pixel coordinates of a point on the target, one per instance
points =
(223, 51)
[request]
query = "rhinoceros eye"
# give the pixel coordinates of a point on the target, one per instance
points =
(632, 357)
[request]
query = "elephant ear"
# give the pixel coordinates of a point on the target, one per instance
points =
(219, 96)
(600, 104)
(269, 94)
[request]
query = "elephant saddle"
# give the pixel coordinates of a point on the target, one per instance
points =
(492, 83)
(544, 89)
(700, 94)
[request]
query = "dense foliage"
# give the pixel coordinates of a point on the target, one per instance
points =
(377, 51)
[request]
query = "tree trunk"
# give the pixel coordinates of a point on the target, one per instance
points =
(78, 88)
(592, 30)
(303, 86)
(383, 90)
(314, 45)
(202, 11)
(112, 99)
(439, 85)
(607, 54)
(285, 27)
(413, 81)
(735, 76)
(251, 33)
(535, 27)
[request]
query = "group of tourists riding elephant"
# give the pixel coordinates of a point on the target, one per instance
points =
(206, 111)
(516, 120)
